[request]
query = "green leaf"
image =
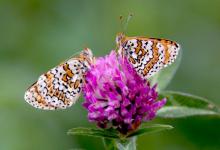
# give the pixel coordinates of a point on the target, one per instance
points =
(110, 133)
(164, 76)
(148, 129)
(114, 140)
(183, 105)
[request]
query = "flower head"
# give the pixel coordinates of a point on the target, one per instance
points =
(116, 96)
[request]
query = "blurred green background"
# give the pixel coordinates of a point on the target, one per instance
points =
(36, 35)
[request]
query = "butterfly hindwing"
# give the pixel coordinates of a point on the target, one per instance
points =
(148, 55)
(60, 87)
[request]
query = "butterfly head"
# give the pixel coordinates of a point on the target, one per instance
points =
(120, 39)
(88, 55)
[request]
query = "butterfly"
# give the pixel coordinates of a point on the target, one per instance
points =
(147, 55)
(61, 86)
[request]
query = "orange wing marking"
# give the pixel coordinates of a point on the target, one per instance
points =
(151, 63)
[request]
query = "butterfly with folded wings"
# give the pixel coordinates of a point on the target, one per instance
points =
(61, 86)
(147, 55)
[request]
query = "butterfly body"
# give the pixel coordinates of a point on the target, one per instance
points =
(60, 87)
(147, 55)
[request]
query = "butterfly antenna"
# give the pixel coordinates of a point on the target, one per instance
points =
(73, 55)
(121, 19)
(127, 21)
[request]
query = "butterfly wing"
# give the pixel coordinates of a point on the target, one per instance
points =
(60, 87)
(148, 55)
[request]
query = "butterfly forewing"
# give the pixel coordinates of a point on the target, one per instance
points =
(60, 87)
(148, 55)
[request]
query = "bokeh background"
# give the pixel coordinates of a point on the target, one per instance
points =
(35, 35)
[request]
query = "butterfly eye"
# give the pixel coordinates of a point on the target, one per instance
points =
(119, 39)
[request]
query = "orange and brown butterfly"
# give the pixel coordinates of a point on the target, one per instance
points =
(147, 55)
(61, 86)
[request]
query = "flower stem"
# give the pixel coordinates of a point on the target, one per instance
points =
(116, 144)
(109, 144)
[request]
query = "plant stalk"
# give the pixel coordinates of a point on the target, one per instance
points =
(117, 144)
